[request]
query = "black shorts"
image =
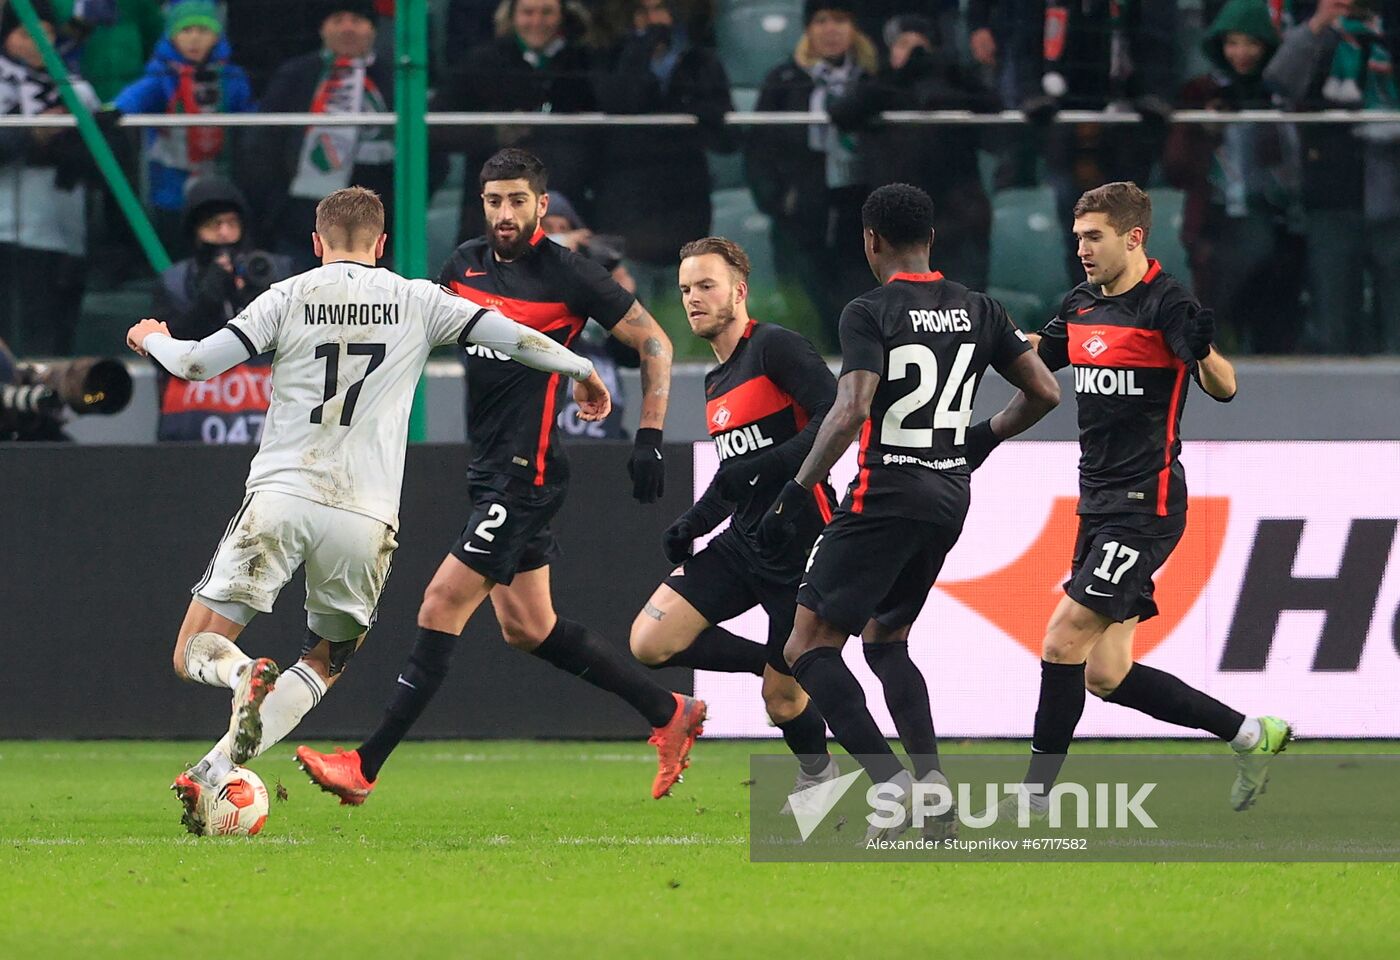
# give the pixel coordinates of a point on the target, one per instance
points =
(1115, 556)
(865, 568)
(720, 583)
(508, 531)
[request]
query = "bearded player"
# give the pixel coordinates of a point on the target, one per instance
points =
(518, 479)
(763, 405)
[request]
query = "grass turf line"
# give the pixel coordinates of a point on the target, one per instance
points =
(549, 849)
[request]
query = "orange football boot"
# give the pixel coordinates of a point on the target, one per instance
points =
(338, 773)
(673, 743)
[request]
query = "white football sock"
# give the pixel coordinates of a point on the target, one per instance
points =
(216, 764)
(1248, 737)
(214, 659)
(298, 689)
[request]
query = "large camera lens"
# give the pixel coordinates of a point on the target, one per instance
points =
(90, 384)
(258, 269)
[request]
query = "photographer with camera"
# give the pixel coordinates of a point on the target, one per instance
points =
(200, 294)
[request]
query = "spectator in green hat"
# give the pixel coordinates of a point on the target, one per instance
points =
(190, 72)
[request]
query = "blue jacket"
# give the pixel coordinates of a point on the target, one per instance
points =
(154, 92)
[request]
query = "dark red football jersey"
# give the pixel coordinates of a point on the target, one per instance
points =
(930, 340)
(511, 409)
(762, 397)
(1131, 371)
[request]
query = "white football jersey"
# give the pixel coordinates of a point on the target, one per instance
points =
(350, 342)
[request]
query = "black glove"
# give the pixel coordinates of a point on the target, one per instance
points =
(1201, 333)
(779, 525)
(677, 541)
(980, 443)
(1040, 110)
(646, 468)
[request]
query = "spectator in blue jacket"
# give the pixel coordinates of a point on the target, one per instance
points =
(189, 72)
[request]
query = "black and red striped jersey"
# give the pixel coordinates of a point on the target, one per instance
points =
(511, 409)
(758, 402)
(930, 340)
(1131, 366)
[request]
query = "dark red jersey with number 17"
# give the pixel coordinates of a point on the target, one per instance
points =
(1131, 370)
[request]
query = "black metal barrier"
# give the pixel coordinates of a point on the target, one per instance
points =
(99, 547)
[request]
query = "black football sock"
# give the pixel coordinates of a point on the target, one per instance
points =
(1161, 695)
(805, 735)
(721, 651)
(906, 696)
(827, 680)
(1061, 705)
(575, 649)
(420, 679)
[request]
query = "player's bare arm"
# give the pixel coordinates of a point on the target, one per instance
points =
(854, 392)
(640, 331)
(1037, 394)
(592, 397)
(1217, 375)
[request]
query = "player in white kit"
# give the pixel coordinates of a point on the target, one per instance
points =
(350, 343)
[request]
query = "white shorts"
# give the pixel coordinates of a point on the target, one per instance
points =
(347, 557)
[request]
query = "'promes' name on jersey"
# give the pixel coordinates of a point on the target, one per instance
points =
(953, 320)
(350, 314)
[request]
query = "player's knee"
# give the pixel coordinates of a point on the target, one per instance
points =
(523, 635)
(1101, 680)
(795, 647)
(178, 661)
(1063, 647)
(784, 703)
(646, 642)
(441, 600)
(1071, 635)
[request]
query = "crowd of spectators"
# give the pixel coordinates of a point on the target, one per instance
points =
(1292, 231)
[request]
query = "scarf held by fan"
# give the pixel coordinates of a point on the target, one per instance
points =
(329, 153)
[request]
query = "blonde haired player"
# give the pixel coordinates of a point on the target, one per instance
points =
(323, 490)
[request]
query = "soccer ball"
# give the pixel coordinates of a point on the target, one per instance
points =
(239, 808)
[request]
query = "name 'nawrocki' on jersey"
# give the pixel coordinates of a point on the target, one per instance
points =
(342, 389)
(350, 314)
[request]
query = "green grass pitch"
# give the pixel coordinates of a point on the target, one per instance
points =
(509, 849)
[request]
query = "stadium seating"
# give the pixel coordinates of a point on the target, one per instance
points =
(736, 217)
(1165, 241)
(754, 36)
(1027, 262)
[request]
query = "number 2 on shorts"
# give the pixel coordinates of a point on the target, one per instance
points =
(495, 516)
